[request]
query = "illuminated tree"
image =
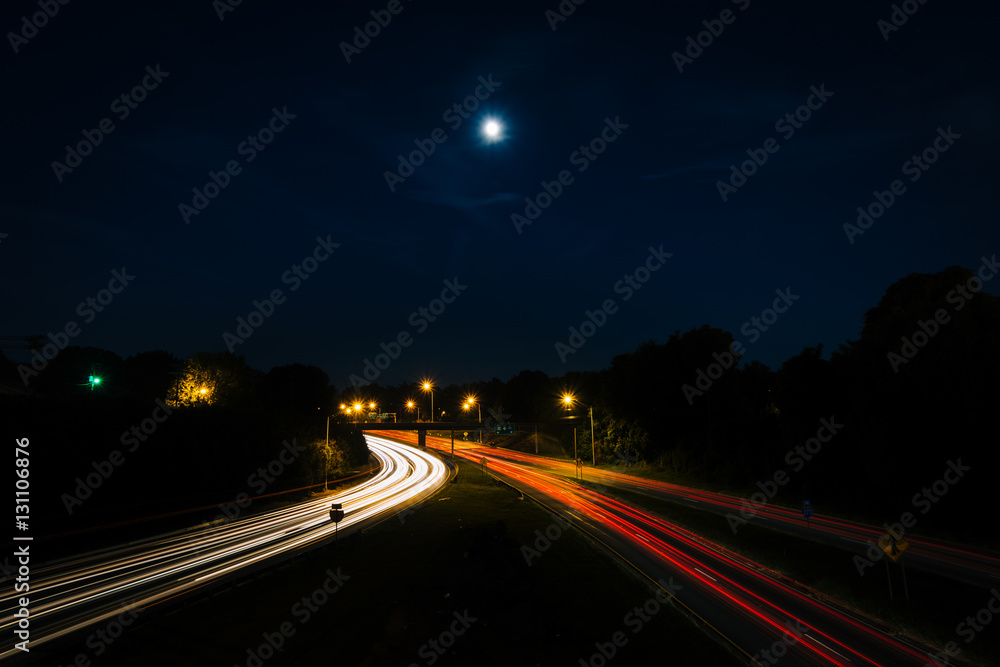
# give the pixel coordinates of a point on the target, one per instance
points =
(221, 379)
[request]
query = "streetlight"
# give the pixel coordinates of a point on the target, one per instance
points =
(568, 400)
(427, 386)
(469, 402)
(350, 410)
(326, 469)
(410, 405)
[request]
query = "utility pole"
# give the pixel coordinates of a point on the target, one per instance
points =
(593, 445)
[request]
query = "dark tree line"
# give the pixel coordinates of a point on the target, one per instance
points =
(915, 391)
(147, 440)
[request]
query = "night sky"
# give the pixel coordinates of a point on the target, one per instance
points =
(885, 95)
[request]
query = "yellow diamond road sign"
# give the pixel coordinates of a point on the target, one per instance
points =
(892, 546)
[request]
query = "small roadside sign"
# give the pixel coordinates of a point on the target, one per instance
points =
(807, 508)
(336, 514)
(892, 546)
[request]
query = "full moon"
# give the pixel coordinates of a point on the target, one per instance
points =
(492, 130)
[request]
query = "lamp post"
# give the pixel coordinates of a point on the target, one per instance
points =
(568, 400)
(410, 405)
(427, 386)
(326, 469)
(469, 402)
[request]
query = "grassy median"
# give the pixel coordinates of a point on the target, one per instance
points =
(454, 563)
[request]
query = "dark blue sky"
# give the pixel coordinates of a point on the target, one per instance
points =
(323, 175)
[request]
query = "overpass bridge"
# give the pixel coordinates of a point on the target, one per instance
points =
(420, 427)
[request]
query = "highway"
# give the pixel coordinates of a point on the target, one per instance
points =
(978, 567)
(78, 593)
(763, 615)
